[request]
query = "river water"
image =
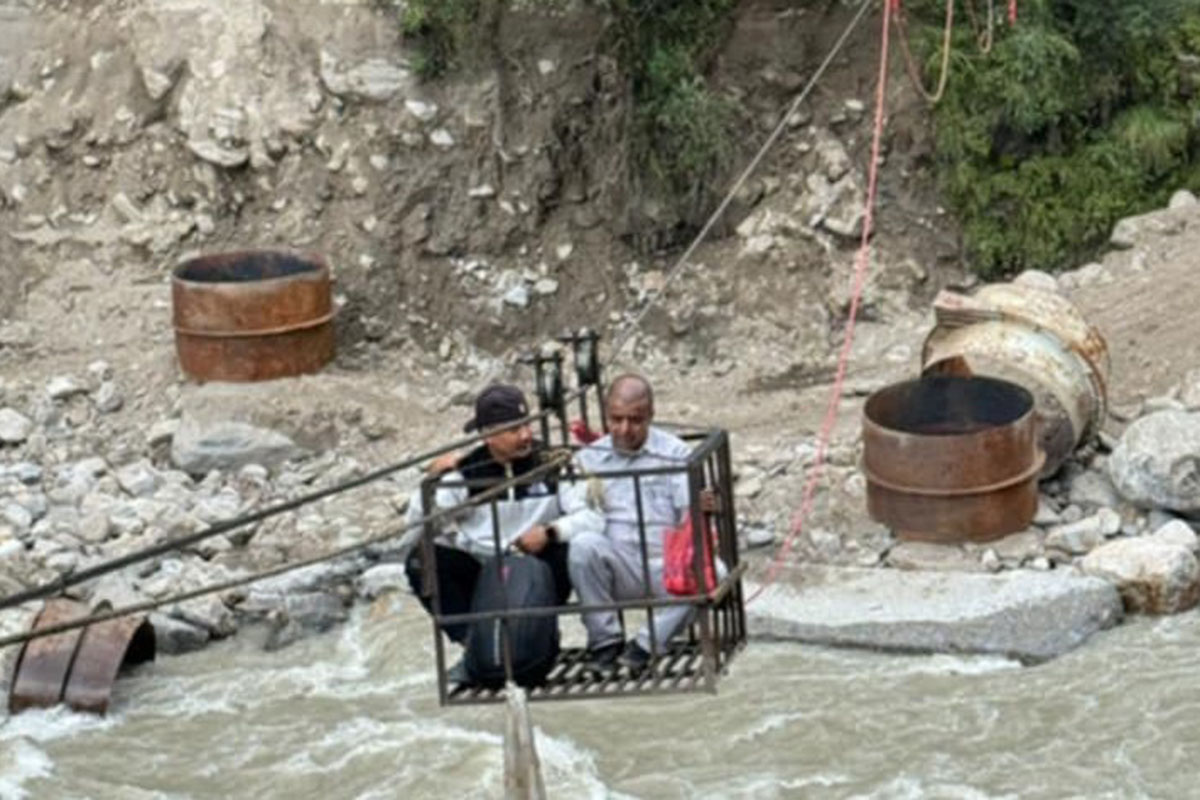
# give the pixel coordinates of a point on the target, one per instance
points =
(353, 714)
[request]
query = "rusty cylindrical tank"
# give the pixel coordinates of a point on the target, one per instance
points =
(252, 315)
(951, 459)
(1037, 339)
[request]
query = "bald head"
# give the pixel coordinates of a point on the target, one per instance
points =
(629, 408)
(630, 388)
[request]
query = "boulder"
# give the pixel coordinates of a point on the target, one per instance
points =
(15, 427)
(380, 579)
(1031, 616)
(1156, 463)
(1154, 576)
(173, 636)
(932, 557)
(1085, 535)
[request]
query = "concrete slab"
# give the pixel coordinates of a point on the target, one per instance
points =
(1031, 616)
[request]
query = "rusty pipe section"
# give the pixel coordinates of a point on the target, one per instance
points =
(951, 459)
(1036, 339)
(252, 315)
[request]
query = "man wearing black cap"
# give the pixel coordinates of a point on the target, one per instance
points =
(530, 516)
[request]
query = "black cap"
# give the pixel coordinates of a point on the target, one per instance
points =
(497, 404)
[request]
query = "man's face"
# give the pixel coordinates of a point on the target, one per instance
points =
(511, 444)
(629, 423)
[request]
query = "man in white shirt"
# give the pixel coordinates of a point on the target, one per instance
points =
(607, 566)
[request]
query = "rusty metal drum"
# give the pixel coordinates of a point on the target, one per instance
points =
(952, 459)
(252, 315)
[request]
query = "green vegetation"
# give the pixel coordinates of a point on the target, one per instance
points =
(1084, 112)
(682, 132)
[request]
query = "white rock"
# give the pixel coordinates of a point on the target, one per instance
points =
(1037, 279)
(1182, 199)
(108, 398)
(139, 479)
(1177, 532)
(1085, 535)
(62, 387)
(441, 138)
(100, 371)
(1154, 465)
(15, 427)
(517, 296)
(380, 579)
(219, 154)
(423, 111)
(483, 191)
(162, 432)
(1154, 577)
(545, 286)
(546, 66)
(373, 79)
(564, 250)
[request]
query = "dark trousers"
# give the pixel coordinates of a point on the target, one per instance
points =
(458, 572)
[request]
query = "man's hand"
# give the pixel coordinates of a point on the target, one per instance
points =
(533, 540)
(447, 462)
(710, 502)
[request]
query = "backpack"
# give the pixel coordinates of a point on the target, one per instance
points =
(533, 642)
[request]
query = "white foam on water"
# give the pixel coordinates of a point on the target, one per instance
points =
(957, 665)
(770, 723)
(570, 770)
(50, 724)
(907, 787)
(21, 761)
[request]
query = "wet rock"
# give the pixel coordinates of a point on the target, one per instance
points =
(208, 613)
(1157, 462)
(1019, 614)
(1153, 576)
(380, 579)
(173, 636)
(301, 614)
(15, 427)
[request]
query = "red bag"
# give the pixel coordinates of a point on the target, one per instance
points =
(679, 549)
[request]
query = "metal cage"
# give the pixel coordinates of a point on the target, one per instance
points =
(692, 661)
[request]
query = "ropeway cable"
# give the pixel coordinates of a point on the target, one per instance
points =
(550, 465)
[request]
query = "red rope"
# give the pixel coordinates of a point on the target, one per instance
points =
(860, 274)
(1012, 12)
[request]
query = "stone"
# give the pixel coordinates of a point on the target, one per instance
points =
(108, 398)
(139, 479)
(26, 472)
(931, 557)
(381, 578)
(1045, 514)
(990, 560)
(63, 387)
(198, 448)
(1017, 548)
(1130, 231)
(1077, 538)
(1018, 614)
(482, 191)
(758, 536)
(372, 79)
(1177, 532)
(1093, 489)
(1153, 576)
(100, 371)
(174, 636)
(15, 427)
(423, 111)
(517, 296)
(441, 138)
(1037, 279)
(1182, 199)
(162, 432)
(545, 286)
(219, 154)
(1156, 463)
(209, 613)
(749, 487)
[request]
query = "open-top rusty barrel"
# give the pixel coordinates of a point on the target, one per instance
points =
(951, 459)
(252, 315)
